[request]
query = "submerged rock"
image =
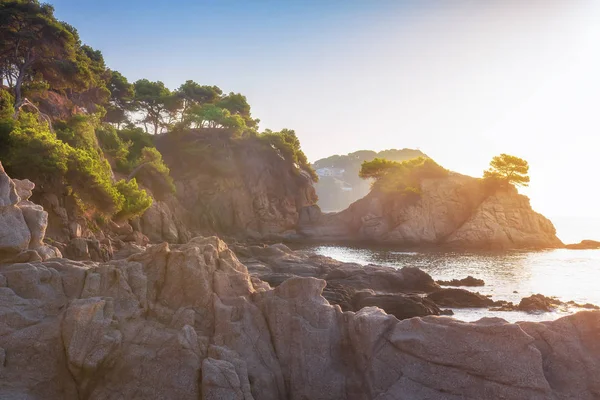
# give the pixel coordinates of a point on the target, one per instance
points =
(468, 281)
(459, 298)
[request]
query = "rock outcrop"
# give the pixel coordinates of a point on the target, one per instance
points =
(189, 322)
(456, 211)
(22, 223)
(584, 245)
(243, 189)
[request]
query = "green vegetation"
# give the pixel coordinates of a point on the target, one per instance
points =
(288, 146)
(507, 170)
(401, 177)
(31, 149)
(67, 119)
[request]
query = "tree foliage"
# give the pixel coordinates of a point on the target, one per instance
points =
(32, 42)
(401, 177)
(286, 143)
(508, 169)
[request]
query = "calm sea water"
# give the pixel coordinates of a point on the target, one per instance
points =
(566, 274)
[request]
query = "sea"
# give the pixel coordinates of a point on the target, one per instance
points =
(565, 274)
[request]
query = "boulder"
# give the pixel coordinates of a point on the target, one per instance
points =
(14, 233)
(8, 193)
(538, 303)
(24, 188)
(468, 281)
(459, 298)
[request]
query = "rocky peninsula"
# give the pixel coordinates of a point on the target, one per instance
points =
(455, 210)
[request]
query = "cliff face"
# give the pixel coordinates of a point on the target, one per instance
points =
(188, 322)
(456, 210)
(243, 189)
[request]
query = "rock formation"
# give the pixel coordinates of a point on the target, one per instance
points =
(245, 190)
(456, 210)
(584, 245)
(188, 322)
(22, 223)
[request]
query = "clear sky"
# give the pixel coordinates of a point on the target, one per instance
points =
(461, 80)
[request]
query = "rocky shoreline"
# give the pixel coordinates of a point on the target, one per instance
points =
(203, 320)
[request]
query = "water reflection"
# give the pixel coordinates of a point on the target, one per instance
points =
(566, 274)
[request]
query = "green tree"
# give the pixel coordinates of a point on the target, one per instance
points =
(376, 168)
(157, 103)
(193, 93)
(237, 104)
(287, 144)
(213, 116)
(32, 42)
(121, 99)
(401, 177)
(508, 169)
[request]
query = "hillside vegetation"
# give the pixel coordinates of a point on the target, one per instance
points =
(85, 133)
(344, 186)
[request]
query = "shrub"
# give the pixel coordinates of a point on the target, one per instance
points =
(32, 150)
(135, 200)
(286, 143)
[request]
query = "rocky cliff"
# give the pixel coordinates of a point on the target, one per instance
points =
(455, 210)
(242, 188)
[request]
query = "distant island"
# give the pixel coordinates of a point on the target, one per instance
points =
(339, 184)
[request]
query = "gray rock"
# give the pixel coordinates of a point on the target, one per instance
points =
(186, 322)
(14, 233)
(8, 193)
(24, 188)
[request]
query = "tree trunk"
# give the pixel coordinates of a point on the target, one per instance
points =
(136, 170)
(18, 85)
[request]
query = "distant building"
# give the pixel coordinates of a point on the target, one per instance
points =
(336, 172)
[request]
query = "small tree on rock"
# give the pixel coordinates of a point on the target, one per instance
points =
(508, 169)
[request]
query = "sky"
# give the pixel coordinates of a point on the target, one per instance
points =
(461, 80)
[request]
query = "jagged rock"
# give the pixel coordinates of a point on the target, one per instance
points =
(402, 306)
(160, 224)
(14, 233)
(8, 192)
(24, 188)
(187, 322)
(538, 302)
(455, 211)
(37, 221)
(468, 281)
(22, 223)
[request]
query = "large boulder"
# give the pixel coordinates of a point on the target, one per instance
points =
(22, 223)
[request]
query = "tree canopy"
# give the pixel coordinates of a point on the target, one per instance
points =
(401, 177)
(508, 169)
